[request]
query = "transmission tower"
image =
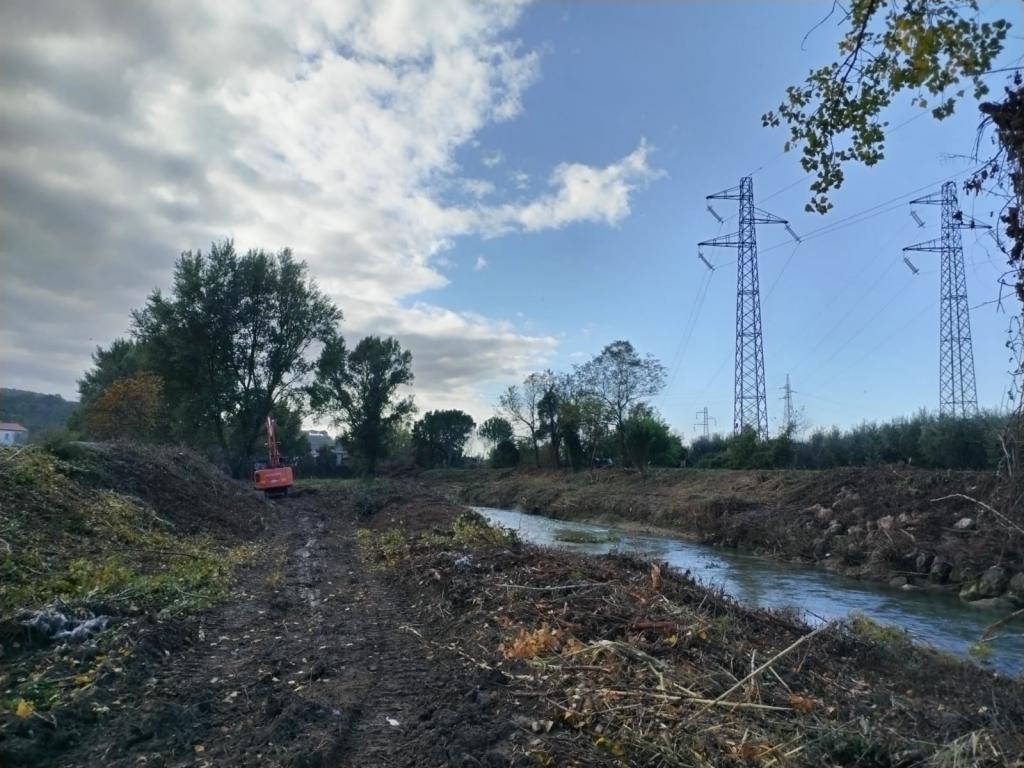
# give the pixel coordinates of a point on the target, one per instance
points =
(787, 404)
(704, 420)
(750, 407)
(957, 391)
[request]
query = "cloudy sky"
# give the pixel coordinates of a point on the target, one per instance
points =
(502, 186)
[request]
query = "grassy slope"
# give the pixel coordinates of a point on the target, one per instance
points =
(77, 529)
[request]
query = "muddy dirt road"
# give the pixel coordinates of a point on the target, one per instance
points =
(311, 663)
(379, 625)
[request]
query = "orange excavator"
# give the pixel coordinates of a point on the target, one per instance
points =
(274, 478)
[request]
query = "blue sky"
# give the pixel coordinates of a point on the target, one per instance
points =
(856, 330)
(504, 187)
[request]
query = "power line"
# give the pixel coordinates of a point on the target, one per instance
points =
(861, 329)
(689, 327)
(869, 213)
(853, 308)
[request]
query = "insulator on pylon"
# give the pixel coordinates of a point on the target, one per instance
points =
(793, 234)
(910, 264)
(708, 264)
(916, 218)
(714, 213)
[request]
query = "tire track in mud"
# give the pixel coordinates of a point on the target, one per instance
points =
(306, 665)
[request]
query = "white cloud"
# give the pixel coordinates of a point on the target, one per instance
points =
(492, 159)
(581, 193)
(131, 133)
(478, 187)
(480, 264)
(520, 179)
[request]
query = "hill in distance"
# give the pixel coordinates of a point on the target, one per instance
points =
(35, 410)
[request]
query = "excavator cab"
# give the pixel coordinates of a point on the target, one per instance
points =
(273, 478)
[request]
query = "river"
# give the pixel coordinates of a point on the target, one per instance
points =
(936, 619)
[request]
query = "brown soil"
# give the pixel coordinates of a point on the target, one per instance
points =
(441, 645)
(306, 665)
(869, 523)
(181, 486)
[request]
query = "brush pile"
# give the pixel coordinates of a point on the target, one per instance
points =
(620, 662)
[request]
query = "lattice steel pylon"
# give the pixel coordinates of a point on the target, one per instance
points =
(750, 404)
(958, 394)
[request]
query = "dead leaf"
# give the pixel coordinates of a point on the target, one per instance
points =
(802, 703)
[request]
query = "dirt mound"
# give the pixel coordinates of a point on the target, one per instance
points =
(101, 524)
(179, 485)
(88, 573)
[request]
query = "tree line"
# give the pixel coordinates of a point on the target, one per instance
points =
(596, 414)
(924, 440)
(240, 336)
(243, 336)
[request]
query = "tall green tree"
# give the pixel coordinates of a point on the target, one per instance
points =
(360, 389)
(620, 378)
(231, 342)
(548, 411)
(495, 430)
(122, 359)
(440, 437)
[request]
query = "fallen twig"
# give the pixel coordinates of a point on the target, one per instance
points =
(765, 666)
(991, 628)
(555, 588)
(1005, 520)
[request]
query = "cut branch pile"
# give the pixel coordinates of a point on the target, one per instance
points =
(620, 663)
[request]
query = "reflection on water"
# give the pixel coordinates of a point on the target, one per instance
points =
(939, 620)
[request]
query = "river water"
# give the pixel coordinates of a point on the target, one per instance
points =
(936, 619)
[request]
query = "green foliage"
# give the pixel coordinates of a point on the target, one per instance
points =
(878, 633)
(440, 437)
(495, 430)
(649, 440)
(122, 359)
(391, 546)
(63, 539)
(360, 390)
(579, 418)
(928, 47)
(504, 454)
(230, 343)
(927, 441)
(619, 378)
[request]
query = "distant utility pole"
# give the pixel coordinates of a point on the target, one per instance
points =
(787, 404)
(958, 394)
(750, 406)
(703, 419)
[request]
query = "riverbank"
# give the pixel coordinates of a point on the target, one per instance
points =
(906, 527)
(377, 624)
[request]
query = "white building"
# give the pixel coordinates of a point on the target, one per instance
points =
(11, 433)
(318, 438)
